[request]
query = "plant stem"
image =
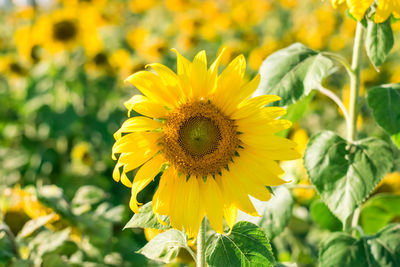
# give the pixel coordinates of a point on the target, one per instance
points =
(201, 244)
(338, 102)
(352, 221)
(355, 82)
(11, 237)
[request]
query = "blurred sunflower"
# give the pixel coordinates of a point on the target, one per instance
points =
(19, 205)
(213, 145)
(383, 9)
(65, 29)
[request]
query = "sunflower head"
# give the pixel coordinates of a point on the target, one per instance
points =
(214, 145)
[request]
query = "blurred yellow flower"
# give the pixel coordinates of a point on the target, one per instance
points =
(16, 203)
(81, 153)
(214, 146)
(383, 9)
(389, 184)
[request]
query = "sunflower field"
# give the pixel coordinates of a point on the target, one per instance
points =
(200, 133)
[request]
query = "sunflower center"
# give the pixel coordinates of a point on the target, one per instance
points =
(64, 30)
(199, 136)
(199, 139)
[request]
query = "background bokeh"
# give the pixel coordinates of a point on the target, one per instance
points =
(62, 71)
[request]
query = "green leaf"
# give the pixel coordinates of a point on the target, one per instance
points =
(53, 260)
(147, 219)
(396, 139)
(379, 41)
(384, 100)
(88, 194)
(276, 212)
(33, 225)
(378, 211)
(293, 72)
(295, 111)
(324, 217)
(246, 245)
(341, 249)
(48, 241)
(165, 246)
(345, 174)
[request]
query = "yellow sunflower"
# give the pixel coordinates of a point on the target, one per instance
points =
(383, 9)
(214, 145)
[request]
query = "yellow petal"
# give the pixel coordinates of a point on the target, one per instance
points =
(144, 106)
(131, 142)
(230, 214)
(137, 124)
(151, 86)
(236, 193)
(384, 9)
(184, 69)
(264, 170)
(169, 79)
(194, 209)
(267, 142)
(177, 214)
(229, 84)
(164, 193)
(251, 106)
(213, 203)
(143, 177)
(199, 76)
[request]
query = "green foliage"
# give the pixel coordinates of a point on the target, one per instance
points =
(33, 225)
(379, 211)
(383, 249)
(165, 246)
(384, 101)
(275, 214)
(345, 174)
(324, 217)
(147, 219)
(379, 41)
(246, 245)
(293, 72)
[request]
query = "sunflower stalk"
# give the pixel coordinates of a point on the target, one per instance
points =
(352, 221)
(201, 245)
(11, 237)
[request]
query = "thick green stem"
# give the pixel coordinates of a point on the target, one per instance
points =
(355, 82)
(11, 237)
(201, 245)
(352, 221)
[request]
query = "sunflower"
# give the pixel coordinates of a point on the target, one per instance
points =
(213, 144)
(383, 9)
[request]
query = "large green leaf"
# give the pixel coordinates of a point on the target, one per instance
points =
(384, 100)
(379, 41)
(383, 249)
(165, 246)
(324, 217)
(378, 211)
(246, 245)
(147, 219)
(293, 72)
(345, 174)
